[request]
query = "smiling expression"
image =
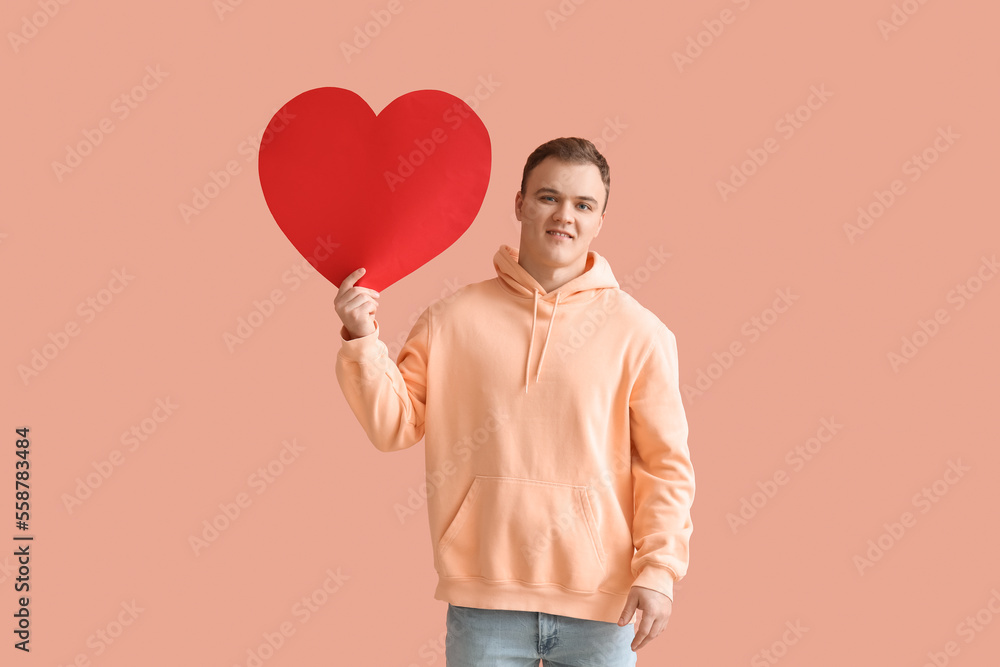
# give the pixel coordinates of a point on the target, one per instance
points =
(561, 211)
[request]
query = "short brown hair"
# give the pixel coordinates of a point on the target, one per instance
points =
(570, 149)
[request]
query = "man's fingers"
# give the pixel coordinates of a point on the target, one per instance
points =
(354, 291)
(358, 301)
(641, 631)
(352, 277)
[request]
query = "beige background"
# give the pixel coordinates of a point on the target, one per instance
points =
(534, 71)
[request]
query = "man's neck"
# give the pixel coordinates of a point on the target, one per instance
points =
(552, 277)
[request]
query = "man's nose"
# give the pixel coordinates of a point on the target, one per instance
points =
(564, 213)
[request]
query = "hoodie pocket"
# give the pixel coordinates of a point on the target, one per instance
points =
(510, 529)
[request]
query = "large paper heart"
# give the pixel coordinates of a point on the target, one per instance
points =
(387, 192)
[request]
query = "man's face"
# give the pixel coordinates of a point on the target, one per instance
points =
(560, 196)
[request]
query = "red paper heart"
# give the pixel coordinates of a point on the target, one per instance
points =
(388, 192)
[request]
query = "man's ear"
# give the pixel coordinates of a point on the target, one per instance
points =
(600, 224)
(518, 201)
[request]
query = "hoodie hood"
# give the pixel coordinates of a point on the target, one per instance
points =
(596, 277)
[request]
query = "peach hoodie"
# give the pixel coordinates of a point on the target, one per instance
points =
(531, 476)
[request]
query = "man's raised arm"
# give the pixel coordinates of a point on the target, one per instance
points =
(386, 397)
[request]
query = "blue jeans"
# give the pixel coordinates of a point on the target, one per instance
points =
(507, 638)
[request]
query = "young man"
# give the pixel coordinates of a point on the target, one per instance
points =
(559, 478)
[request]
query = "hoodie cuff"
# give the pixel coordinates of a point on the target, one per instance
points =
(362, 348)
(659, 579)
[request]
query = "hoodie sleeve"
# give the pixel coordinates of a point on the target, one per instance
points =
(387, 398)
(663, 476)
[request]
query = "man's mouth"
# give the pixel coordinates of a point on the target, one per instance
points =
(559, 234)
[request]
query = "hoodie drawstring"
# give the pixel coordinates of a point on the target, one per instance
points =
(545, 344)
(515, 280)
(541, 357)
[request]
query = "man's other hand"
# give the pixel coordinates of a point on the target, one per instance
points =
(655, 608)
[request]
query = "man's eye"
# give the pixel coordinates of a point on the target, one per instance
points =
(549, 197)
(586, 206)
